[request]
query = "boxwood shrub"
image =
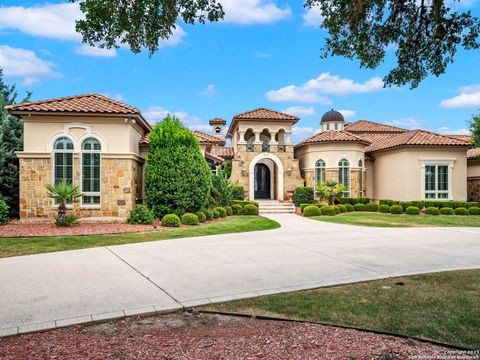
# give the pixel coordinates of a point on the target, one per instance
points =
(474, 210)
(396, 209)
(342, 208)
(209, 214)
(250, 209)
(446, 211)
(237, 193)
(216, 214)
(371, 207)
(472, 204)
(432, 210)
(303, 195)
(328, 210)
(359, 207)
(237, 209)
(140, 214)
(311, 210)
(229, 210)
(190, 219)
(337, 210)
(461, 211)
(349, 207)
(221, 211)
(4, 208)
(354, 201)
(412, 210)
(244, 202)
(201, 216)
(303, 206)
(171, 220)
(385, 209)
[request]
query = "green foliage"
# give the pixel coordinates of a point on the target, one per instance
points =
(354, 201)
(221, 211)
(432, 210)
(237, 209)
(250, 209)
(388, 202)
(245, 202)
(171, 220)
(349, 207)
(216, 214)
(446, 211)
(474, 210)
(396, 209)
(238, 192)
(63, 193)
(303, 195)
(330, 191)
(229, 210)
(461, 211)
(4, 212)
(209, 214)
(66, 220)
(337, 209)
(222, 189)
(359, 207)
(311, 210)
(140, 214)
(303, 206)
(177, 177)
(201, 216)
(412, 210)
(227, 168)
(342, 208)
(190, 219)
(328, 210)
(384, 209)
(474, 126)
(371, 207)
(470, 204)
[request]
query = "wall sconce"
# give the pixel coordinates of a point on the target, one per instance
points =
(244, 172)
(289, 171)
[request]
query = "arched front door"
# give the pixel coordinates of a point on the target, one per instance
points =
(262, 181)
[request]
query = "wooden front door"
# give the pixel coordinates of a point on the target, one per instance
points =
(262, 181)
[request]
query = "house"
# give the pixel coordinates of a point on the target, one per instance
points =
(101, 145)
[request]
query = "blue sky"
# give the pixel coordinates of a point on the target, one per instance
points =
(265, 54)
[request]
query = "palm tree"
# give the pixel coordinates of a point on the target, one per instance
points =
(63, 192)
(330, 191)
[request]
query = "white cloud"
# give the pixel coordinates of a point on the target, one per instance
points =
(87, 50)
(300, 133)
(259, 54)
(469, 98)
(408, 123)
(300, 111)
(347, 113)
(175, 39)
(448, 131)
(325, 84)
(117, 96)
(469, 89)
(253, 11)
(156, 113)
(313, 17)
(208, 91)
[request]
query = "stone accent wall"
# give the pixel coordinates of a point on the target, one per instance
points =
(332, 174)
(473, 189)
(355, 183)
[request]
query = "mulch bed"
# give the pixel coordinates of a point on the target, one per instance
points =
(208, 336)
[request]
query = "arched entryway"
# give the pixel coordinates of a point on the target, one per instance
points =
(275, 170)
(262, 182)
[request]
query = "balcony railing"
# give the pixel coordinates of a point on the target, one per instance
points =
(250, 148)
(281, 148)
(265, 147)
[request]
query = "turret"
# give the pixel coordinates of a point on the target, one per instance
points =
(332, 120)
(217, 125)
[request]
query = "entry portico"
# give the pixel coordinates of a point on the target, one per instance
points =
(274, 181)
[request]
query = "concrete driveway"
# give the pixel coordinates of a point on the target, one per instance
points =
(58, 289)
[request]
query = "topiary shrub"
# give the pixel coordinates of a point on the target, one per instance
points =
(237, 209)
(432, 210)
(349, 207)
(384, 209)
(303, 195)
(221, 211)
(396, 209)
(337, 210)
(303, 206)
(245, 202)
(371, 207)
(201, 216)
(472, 204)
(140, 214)
(250, 209)
(238, 192)
(177, 176)
(229, 210)
(359, 207)
(190, 219)
(446, 211)
(312, 210)
(474, 210)
(209, 214)
(328, 210)
(4, 208)
(216, 214)
(412, 210)
(461, 211)
(171, 220)
(342, 208)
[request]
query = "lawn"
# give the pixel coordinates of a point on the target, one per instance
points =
(389, 220)
(441, 306)
(35, 245)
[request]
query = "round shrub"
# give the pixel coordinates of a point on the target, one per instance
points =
(221, 211)
(229, 210)
(385, 209)
(412, 210)
(474, 210)
(3, 212)
(250, 209)
(303, 195)
(312, 210)
(342, 208)
(337, 210)
(461, 211)
(432, 210)
(171, 220)
(237, 209)
(190, 219)
(201, 216)
(328, 210)
(371, 207)
(359, 207)
(446, 211)
(140, 215)
(396, 209)
(209, 214)
(349, 207)
(216, 214)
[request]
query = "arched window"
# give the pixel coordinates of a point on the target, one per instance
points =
(360, 165)
(91, 149)
(63, 160)
(319, 171)
(344, 175)
(218, 130)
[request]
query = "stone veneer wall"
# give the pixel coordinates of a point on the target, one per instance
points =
(119, 183)
(332, 174)
(473, 189)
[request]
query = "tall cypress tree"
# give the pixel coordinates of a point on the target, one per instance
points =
(11, 140)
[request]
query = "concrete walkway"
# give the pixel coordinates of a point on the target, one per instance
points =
(58, 289)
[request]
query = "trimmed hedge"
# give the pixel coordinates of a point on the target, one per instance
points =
(328, 210)
(303, 206)
(311, 210)
(221, 211)
(209, 214)
(446, 211)
(171, 220)
(359, 207)
(216, 214)
(4, 208)
(474, 210)
(432, 210)
(471, 204)
(396, 209)
(337, 210)
(349, 207)
(371, 207)
(388, 202)
(342, 208)
(201, 216)
(250, 209)
(354, 201)
(140, 214)
(190, 219)
(384, 209)
(238, 192)
(245, 202)
(229, 210)
(303, 195)
(461, 211)
(237, 209)
(412, 210)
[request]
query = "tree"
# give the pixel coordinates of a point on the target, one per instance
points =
(222, 188)
(330, 191)
(63, 193)
(177, 176)
(475, 129)
(11, 140)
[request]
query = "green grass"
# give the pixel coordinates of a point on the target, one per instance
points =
(36, 245)
(389, 220)
(441, 306)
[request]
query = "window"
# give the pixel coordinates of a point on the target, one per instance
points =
(336, 126)
(344, 175)
(63, 160)
(360, 165)
(319, 171)
(217, 130)
(436, 182)
(328, 126)
(91, 149)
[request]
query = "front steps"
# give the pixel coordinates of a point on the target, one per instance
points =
(275, 207)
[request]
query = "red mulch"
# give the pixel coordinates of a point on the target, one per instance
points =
(187, 336)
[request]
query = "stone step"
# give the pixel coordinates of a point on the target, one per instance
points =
(277, 212)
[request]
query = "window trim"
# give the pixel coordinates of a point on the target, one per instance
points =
(53, 151)
(349, 189)
(362, 174)
(91, 193)
(315, 180)
(444, 162)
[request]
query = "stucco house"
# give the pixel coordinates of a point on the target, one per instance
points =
(101, 145)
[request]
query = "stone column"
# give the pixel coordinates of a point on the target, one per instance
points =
(288, 141)
(242, 137)
(257, 138)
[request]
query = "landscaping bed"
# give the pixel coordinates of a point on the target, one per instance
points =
(205, 336)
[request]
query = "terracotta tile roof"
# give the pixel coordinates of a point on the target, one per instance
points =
(462, 137)
(222, 151)
(214, 157)
(415, 138)
(217, 121)
(473, 153)
(144, 140)
(333, 136)
(374, 137)
(202, 137)
(370, 126)
(263, 113)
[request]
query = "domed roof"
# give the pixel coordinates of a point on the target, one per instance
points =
(332, 116)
